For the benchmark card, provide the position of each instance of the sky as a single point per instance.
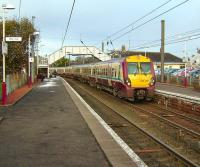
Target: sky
(94, 20)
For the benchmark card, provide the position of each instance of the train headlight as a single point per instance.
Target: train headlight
(152, 82)
(128, 82)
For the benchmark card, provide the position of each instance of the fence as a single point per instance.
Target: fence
(14, 81)
(189, 81)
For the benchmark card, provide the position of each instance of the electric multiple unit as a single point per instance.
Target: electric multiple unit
(130, 77)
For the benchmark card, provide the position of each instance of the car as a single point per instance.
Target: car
(184, 71)
(194, 72)
(172, 70)
(157, 71)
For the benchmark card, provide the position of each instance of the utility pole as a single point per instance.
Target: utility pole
(32, 47)
(102, 46)
(4, 53)
(162, 49)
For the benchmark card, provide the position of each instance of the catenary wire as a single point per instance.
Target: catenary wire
(141, 18)
(63, 40)
(167, 38)
(187, 38)
(149, 13)
(151, 19)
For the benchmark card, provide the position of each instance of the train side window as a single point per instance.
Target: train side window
(113, 72)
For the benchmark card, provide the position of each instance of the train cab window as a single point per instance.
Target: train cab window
(145, 67)
(133, 68)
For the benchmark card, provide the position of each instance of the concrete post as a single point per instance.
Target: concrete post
(162, 50)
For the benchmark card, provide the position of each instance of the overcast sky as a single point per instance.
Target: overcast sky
(95, 20)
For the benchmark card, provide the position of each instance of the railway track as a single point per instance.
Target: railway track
(188, 116)
(140, 130)
(187, 104)
(183, 120)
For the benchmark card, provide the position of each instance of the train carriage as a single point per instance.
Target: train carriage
(131, 77)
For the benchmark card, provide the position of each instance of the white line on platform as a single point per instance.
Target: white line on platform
(121, 143)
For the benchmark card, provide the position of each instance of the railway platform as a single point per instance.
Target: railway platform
(185, 91)
(182, 98)
(51, 127)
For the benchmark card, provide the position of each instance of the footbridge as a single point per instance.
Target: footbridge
(78, 51)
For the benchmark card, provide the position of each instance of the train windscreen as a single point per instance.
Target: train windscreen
(133, 68)
(145, 67)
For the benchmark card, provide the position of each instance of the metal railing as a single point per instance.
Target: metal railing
(180, 80)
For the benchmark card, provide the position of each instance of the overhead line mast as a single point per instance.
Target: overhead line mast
(19, 15)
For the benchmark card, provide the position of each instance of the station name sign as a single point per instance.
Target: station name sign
(13, 39)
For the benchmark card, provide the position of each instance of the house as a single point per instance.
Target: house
(195, 59)
(171, 61)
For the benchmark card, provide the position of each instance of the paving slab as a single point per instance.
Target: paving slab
(45, 129)
(16, 95)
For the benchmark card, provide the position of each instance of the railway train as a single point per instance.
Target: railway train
(130, 77)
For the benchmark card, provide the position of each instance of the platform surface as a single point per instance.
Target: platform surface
(187, 91)
(45, 129)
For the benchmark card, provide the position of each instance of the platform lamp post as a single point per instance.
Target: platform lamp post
(30, 58)
(4, 52)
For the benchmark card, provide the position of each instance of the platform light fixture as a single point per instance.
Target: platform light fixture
(4, 52)
(29, 57)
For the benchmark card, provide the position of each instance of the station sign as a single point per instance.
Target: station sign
(31, 59)
(4, 48)
(13, 39)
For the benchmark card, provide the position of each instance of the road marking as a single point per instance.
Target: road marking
(136, 159)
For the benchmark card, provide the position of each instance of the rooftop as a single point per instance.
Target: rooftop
(154, 56)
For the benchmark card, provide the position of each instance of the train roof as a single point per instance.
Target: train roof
(120, 59)
(154, 56)
(115, 60)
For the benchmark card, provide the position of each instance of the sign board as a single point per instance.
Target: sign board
(13, 39)
(31, 59)
(4, 48)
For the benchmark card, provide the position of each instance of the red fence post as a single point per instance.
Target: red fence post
(4, 94)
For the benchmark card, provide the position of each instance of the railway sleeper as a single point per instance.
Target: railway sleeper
(166, 161)
(195, 145)
(190, 145)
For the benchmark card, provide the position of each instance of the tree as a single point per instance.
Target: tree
(17, 57)
(86, 59)
(61, 62)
